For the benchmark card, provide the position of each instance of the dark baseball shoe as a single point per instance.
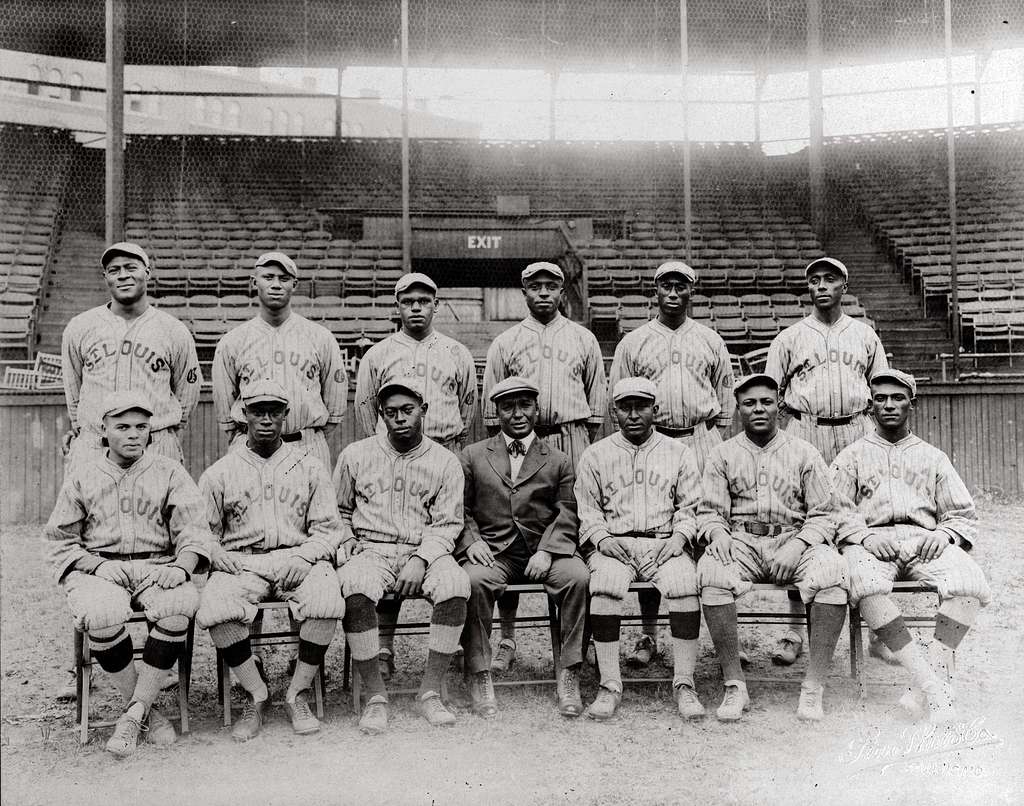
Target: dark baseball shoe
(644, 651)
(481, 689)
(734, 702)
(386, 663)
(249, 724)
(570, 703)
(505, 657)
(125, 738)
(434, 711)
(159, 730)
(605, 705)
(303, 721)
(788, 649)
(810, 709)
(687, 702)
(375, 715)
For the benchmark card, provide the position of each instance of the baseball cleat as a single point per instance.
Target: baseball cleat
(570, 703)
(810, 708)
(788, 649)
(481, 688)
(644, 651)
(386, 663)
(744, 658)
(876, 649)
(375, 715)
(734, 702)
(159, 730)
(125, 738)
(434, 711)
(687, 702)
(303, 721)
(940, 702)
(914, 702)
(605, 704)
(248, 726)
(505, 657)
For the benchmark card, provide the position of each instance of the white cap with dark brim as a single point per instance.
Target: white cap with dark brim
(676, 267)
(408, 386)
(407, 281)
(897, 376)
(120, 402)
(838, 265)
(643, 388)
(264, 390)
(125, 248)
(281, 259)
(542, 266)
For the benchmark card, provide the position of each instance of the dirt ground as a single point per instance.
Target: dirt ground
(865, 751)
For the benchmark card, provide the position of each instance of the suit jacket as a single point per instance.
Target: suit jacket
(539, 504)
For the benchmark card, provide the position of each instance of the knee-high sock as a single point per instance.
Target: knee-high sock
(315, 636)
(508, 607)
(883, 616)
(387, 617)
(360, 624)
(826, 626)
(684, 625)
(722, 624)
(232, 639)
(163, 647)
(955, 617)
(650, 601)
(605, 624)
(446, 622)
(112, 649)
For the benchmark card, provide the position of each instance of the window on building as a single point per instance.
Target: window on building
(76, 89)
(55, 77)
(35, 75)
(134, 101)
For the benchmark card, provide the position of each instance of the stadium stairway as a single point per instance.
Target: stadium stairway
(912, 338)
(74, 285)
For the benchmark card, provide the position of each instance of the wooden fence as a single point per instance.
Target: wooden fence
(980, 426)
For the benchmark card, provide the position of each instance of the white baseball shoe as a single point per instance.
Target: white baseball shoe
(734, 702)
(810, 709)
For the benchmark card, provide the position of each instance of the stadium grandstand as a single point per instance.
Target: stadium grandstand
(465, 139)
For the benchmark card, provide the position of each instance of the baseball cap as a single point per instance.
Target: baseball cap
(675, 267)
(753, 378)
(634, 387)
(543, 265)
(514, 385)
(125, 248)
(120, 402)
(838, 265)
(407, 281)
(897, 376)
(281, 259)
(410, 386)
(264, 390)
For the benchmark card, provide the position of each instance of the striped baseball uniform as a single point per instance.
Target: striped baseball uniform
(631, 490)
(783, 491)
(693, 373)
(300, 355)
(396, 505)
(153, 354)
(145, 514)
(564, 360)
(823, 371)
(905, 490)
(446, 371)
(267, 511)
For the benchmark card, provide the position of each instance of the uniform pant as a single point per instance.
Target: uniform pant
(820, 574)
(953, 572)
(311, 441)
(375, 569)
(566, 582)
(570, 438)
(233, 597)
(163, 442)
(610, 578)
(830, 439)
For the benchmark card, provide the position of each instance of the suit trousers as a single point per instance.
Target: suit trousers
(566, 582)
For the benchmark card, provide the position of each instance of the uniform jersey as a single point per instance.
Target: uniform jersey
(690, 366)
(412, 499)
(880, 483)
(562, 358)
(300, 355)
(151, 506)
(282, 501)
(153, 354)
(823, 370)
(785, 483)
(624, 488)
(443, 366)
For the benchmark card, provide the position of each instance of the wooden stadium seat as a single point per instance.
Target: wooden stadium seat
(762, 328)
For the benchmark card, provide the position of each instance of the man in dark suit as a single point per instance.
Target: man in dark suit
(520, 522)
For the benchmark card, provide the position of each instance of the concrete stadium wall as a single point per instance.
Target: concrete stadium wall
(980, 426)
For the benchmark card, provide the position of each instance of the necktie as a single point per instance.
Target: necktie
(516, 448)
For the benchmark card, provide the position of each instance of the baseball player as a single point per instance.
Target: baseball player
(129, 529)
(446, 371)
(282, 345)
(636, 493)
(124, 345)
(767, 514)
(520, 522)
(906, 514)
(564, 360)
(271, 507)
(400, 496)
(692, 371)
(822, 365)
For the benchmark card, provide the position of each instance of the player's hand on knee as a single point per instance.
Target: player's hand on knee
(410, 581)
(882, 546)
(720, 548)
(616, 548)
(345, 552)
(223, 560)
(784, 561)
(294, 571)
(933, 545)
(538, 566)
(116, 571)
(165, 576)
(668, 549)
(480, 553)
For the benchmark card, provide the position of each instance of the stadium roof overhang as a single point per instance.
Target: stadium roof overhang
(643, 35)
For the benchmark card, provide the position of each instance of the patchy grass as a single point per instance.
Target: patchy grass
(529, 754)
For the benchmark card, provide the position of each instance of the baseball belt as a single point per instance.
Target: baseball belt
(295, 437)
(138, 555)
(251, 550)
(762, 529)
(669, 431)
(554, 428)
(654, 535)
(845, 420)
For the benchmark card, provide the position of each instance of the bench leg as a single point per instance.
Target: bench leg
(357, 686)
(318, 690)
(346, 668)
(225, 688)
(184, 679)
(555, 628)
(83, 670)
(856, 649)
